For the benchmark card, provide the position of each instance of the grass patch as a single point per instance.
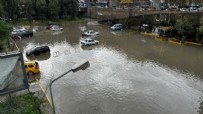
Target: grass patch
(23, 22)
(45, 21)
(20, 105)
(3, 44)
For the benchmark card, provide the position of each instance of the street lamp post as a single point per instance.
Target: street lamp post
(79, 66)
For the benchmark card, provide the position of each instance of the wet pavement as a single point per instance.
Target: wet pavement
(129, 73)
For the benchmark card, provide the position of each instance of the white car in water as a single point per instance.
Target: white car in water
(90, 33)
(88, 41)
(56, 28)
(117, 27)
(193, 9)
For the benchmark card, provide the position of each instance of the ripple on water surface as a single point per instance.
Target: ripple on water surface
(113, 84)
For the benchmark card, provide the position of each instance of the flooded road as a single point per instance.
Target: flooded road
(129, 73)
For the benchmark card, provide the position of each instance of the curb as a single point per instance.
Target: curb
(44, 92)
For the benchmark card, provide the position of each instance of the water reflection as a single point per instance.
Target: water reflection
(116, 33)
(57, 32)
(129, 73)
(116, 85)
(83, 28)
(92, 47)
(34, 77)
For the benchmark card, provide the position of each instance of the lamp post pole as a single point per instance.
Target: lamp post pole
(50, 88)
(79, 66)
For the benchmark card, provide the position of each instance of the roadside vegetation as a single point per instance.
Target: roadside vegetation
(25, 104)
(5, 29)
(22, 22)
(27, 12)
(201, 25)
(15, 10)
(187, 24)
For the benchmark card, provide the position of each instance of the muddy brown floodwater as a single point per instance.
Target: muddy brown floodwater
(129, 73)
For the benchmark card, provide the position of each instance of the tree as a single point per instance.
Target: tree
(11, 9)
(201, 25)
(40, 8)
(53, 8)
(185, 26)
(26, 7)
(70, 6)
(186, 23)
(1, 8)
(200, 29)
(4, 34)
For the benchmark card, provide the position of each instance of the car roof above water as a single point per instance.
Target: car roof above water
(30, 62)
(117, 24)
(40, 46)
(90, 31)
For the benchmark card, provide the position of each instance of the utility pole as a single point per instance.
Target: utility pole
(130, 12)
(88, 7)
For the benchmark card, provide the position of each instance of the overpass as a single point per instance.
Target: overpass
(113, 13)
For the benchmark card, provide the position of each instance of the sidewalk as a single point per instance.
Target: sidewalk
(45, 107)
(39, 92)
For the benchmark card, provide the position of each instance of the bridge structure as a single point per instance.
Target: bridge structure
(113, 13)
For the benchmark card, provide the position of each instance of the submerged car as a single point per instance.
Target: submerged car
(51, 24)
(22, 33)
(193, 9)
(56, 28)
(90, 33)
(88, 41)
(31, 67)
(26, 33)
(37, 50)
(117, 27)
(184, 9)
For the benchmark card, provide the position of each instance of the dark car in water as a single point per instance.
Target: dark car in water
(37, 50)
(22, 33)
(26, 33)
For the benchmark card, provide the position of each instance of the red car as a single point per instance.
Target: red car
(173, 8)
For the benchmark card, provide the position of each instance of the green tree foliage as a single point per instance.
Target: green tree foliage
(14, 9)
(26, 7)
(201, 25)
(53, 8)
(4, 33)
(40, 8)
(69, 7)
(186, 25)
(11, 9)
(1, 8)
(20, 105)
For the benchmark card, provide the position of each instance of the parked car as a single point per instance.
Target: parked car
(31, 67)
(200, 9)
(22, 33)
(37, 50)
(56, 28)
(26, 33)
(90, 33)
(173, 8)
(164, 6)
(18, 30)
(117, 27)
(193, 9)
(88, 41)
(184, 9)
(51, 24)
